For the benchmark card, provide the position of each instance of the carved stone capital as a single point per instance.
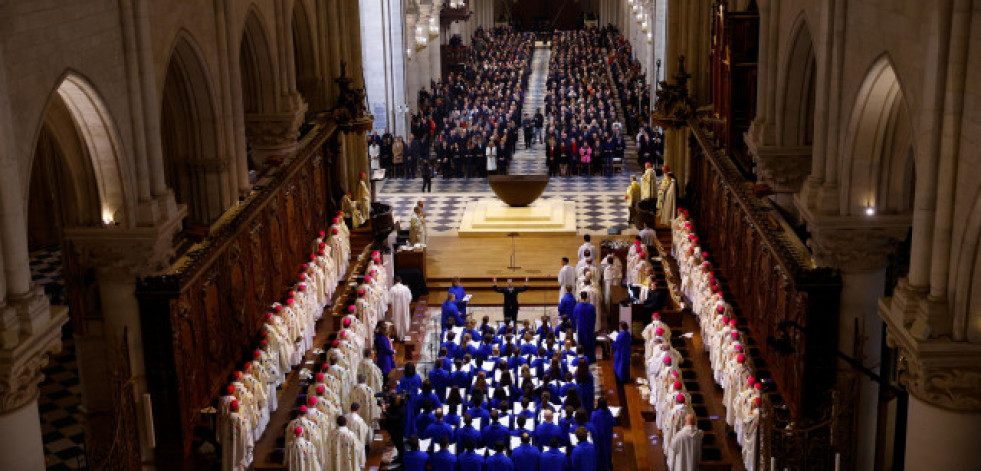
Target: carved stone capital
(939, 371)
(854, 244)
(20, 366)
(126, 253)
(276, 130)
(783, 168)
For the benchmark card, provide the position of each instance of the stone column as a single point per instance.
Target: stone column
(274, 135)
(435, 45)
(118, 256)
(860, 249)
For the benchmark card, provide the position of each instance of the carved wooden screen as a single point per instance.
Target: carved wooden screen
(200, 319)
(770, 275)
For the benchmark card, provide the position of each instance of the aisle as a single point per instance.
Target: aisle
(532, 161)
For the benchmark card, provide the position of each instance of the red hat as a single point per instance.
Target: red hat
(350, 308)
(691, 250)
(335, 343)
(679, 209)
(691, 236)
(705, 254)
(333, 231)
(289, 301)
(738, 348)
(298, 431)
(720, 308)
(303, 409)
(324, 367)
(740, 358)
(735, 334)
(302, 287)
(320, 252)
(312, 400)
(367, 278)
(361, 174)
(715, 288)
(237, 374)
(756, 400)
(335, 220)
(303, 276)
(374, 254)
(656, 315)
(667, 360)
(321, 389)
(263, 342)
(648, 165)
(680, 398)
(247, 366)
(732, 322)
(230, 389)
(320, 377)
(341, 334)
(675, 374)
(665, 167)
(269, 317)
(360, 292)
(257, 353)
(233, 406)
(348, 193)
(643, 255)
(312, 257)
(725, 320)
(347, 322)
(659, 331)
(322, 234)
(751, 380)
(758, 386)
(278, 307)
(322, 245)
(677, 385)
(290, 294)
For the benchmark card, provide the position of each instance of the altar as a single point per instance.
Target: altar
(493, 217)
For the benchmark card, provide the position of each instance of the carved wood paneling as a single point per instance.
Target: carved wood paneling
(770, 275)
(200, 319)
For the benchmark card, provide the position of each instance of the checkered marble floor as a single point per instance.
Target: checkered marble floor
(62, 420)
(46, 272)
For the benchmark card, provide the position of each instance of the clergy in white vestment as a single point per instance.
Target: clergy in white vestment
(346, 452)
(648, 183)
(237, 440)
(301, 455)
(594, 297)
(612, 272)
(370, 371)
(364, 395)
(669, 201)
(567, 277)
(686, 447)
(586, 246)
(417, 227)
(358, 425)
(400, 297)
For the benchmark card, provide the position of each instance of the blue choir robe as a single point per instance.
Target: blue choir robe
(470, 460)
(621, 356)
(385, 354)
(494, 433)
(452, 419)
(410, 385)
(467, 433)
(525, 457)
(602, 420)
(545, 432)
(585, 315)
(499, 462)
(439, 378)
(460, 379)
(567, 304)
(450, 311)
(442, 460)
(459, 293)
(553, 459)
(415, 460)
(432, 398)
(422, 421)
(452, 350)
(587, 392)
(437, 430)
(584, 457)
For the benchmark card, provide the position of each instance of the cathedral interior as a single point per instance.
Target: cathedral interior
(172, 171)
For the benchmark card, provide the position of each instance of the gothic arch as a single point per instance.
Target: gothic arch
(190, 129)
(79, 154)
(305, 54)
(795, 106)
(878, 156)
(258, 68)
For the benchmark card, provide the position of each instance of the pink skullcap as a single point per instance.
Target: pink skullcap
(247, 366)
(303, 276)
(322, 234)
(289, 301)
(679, 209)
(687, 225)
(715, 288)
(234, 405)
(675, 374)
(374, 254)
(312, 400)
(740, 358)
(659, 331)
(302, 287)
(691, 250)
(303, 409)
(257, 353)
(335, 343)
(350, 308)
(758, 386)
(290, 294)
(322, 245)
(667, 360)
(263, 342)
(677, 385)
(735, 334)
(680, 398)
(335, 222)
(298, 431)
(367, 278)
(360, 291)
(333, 231)
(269, 317)
(321, 389)
(320, 377)
(313, 257)
(347, 322)
(751, 381)
(230, 389)
(706, 264)
(720, 308)
(738, 348)
(320, 252)
(732, 322)
(691, 237)
(341, 334)
(725, 320)
(237, 374)
(656, 315)
(278, 307)
(324, 367)
(643, 255)
(756, 400)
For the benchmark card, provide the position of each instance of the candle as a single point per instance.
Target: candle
(773, 463)
(837, 461)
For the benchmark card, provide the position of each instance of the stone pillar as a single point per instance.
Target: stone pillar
(435, 46)
(861, 252)
(940, 438)
(118, 256)
(21, 443)
(783, 169)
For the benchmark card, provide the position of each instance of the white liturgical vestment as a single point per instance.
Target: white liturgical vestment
(401, 298)
(686, 449)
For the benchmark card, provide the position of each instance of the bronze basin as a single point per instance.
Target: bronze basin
(518, 190)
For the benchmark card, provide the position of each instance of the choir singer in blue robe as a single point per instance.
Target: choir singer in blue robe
(451, 311)
(603, 420)
(459, 293)
(621, 354)
(585, 320)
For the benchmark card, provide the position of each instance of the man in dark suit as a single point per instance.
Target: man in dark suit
(510, 293)
(656, 298)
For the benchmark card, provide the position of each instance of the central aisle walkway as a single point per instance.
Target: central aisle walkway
(532, 161)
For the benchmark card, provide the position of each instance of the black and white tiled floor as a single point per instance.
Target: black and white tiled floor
(60, 399)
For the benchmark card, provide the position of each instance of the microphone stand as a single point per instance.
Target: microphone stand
(514, 260)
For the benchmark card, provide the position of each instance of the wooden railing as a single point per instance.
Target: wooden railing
(203, 316)
(791, 306)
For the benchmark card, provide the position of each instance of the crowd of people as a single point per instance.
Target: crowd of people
(243, 410)
(467, 125)
(729, 357)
